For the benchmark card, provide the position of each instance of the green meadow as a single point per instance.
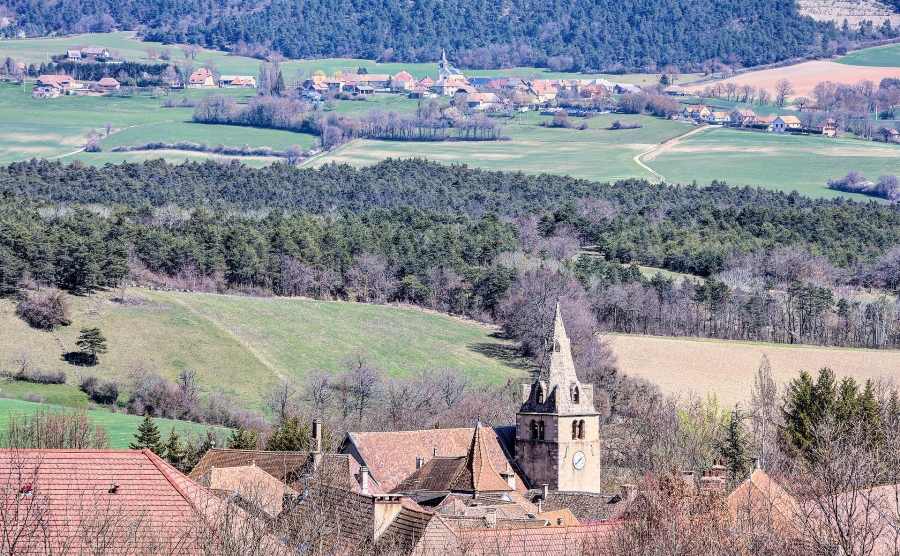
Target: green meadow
(781, 162)
(887, 56)
(240, 346)
(120, 427)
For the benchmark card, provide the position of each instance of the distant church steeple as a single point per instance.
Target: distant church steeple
(443, 66)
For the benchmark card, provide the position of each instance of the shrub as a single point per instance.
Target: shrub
(45, 310)
(106, 393)
(41, 377)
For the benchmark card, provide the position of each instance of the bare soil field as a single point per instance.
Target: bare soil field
(681, 366)
(853, 11)
(804, 77)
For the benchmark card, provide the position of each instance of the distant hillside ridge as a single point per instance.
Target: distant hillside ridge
(562, 35)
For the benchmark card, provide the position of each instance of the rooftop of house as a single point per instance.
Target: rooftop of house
(251, 482)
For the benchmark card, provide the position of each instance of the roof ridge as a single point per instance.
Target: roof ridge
(153, 459)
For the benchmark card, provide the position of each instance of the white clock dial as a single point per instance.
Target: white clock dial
(578, 460)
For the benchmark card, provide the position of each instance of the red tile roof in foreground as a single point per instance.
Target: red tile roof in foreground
(391, 456)
(530, 541)
(68, 501)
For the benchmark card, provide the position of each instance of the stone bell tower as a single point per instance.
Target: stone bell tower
(557, 427)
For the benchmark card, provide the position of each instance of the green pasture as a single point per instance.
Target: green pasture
(781, 162)
(120, 427)
(596, 153)
(241, 345)
(232, 136)
(170, 156)
(39, 50)
(887, 56)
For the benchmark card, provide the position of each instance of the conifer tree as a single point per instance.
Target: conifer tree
(290, 436)
(735, 446)
(148, 437)
(175, 450)
(242, 439)
(278, 88)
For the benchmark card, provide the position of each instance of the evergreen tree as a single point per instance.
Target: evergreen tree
(148, 437)
(243, 439)
(175, 450)
(92, 342)
(278, 88)
(735, 446)
(291, 435)
(870, 415)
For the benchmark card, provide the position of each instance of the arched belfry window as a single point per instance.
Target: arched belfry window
(541, 429)
(574, 393)
(556, 347)
(574, 430)
(540, 394)
(581, 429)
(534, 430)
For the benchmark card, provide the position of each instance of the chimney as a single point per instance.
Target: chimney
(509, 476)
(545, 491)
(317, 434)
(490, 517)
(435, 450)
(364, 479)
(420, 461)
(628, 492)
(385, 508)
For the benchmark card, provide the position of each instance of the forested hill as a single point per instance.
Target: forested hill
(590, 34)
(392, 183)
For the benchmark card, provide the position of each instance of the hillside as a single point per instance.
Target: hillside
(120, 427)
(556, 34)
(242, 345)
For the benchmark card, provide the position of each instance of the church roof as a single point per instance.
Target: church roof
(471, 473)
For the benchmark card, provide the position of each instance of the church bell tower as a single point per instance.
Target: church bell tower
(557, 427)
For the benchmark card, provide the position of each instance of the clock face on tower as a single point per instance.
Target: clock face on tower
(578, 460)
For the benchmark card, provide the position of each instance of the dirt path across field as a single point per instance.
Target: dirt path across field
(665, 144)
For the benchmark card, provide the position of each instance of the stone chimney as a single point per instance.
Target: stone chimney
(628, 493)
(490, 516)
(509, 476)
(711, 481)
(718, 469)
(420, 461)
(545, 492)
(317, 435)
(364, 479)
(385, 508)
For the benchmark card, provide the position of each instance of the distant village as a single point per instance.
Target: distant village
(487, 94)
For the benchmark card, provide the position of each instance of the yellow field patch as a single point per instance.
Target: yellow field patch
(681, 366)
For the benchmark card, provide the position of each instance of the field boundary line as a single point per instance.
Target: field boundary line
(231, 334)
(666, 143)
(114, 132)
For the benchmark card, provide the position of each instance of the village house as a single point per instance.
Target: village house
(200, 79)
(51, 86)
(481, 101)
(718, 118)
(828, 127)
(594, 91)
(73, 54)
(696, 112)
(675, 91)
(108, 84)
(378, 81)
(625, 89)
(99, 54)
(543, 91)
(784, 124)
(237, 82)
(451, 85)
(403, 81)
(743, 118)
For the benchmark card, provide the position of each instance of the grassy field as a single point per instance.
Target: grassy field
(597, 153)
(781, 162)
(879, 56)
(240, 345)
(680, 365)
(39, 50)
(121, 428)
(232, 136)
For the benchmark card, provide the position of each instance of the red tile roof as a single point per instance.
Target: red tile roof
(529, 541)
(73, 495)
(391, 456)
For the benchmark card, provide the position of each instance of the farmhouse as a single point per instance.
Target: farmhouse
(675, 91)
(403, 81)
(108, 84)
(743, 118)
(718, 118)
(237, 82)
(828, 127)
(451, 85)
(51, 86)
(783, 124)
(594, 91)
(696, 112)
(200, 79)
(481, 101)
(73, 54)
(97, 53)
(543, 91)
